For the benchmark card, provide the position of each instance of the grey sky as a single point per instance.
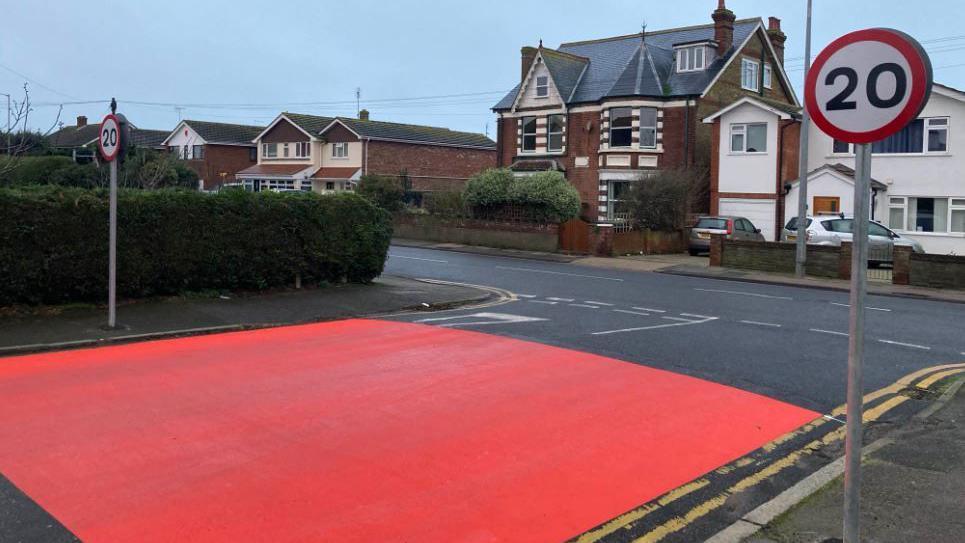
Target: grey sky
(280, 53)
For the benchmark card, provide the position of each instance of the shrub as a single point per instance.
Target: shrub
(53, 242)
(664, 200)
(445, 203)
(384, 191)
(543, 196)
(36, 170)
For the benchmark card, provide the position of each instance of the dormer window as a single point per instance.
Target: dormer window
(542, 86)
(691, 59)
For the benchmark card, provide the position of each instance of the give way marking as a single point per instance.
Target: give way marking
(486, 318)
(693, 319)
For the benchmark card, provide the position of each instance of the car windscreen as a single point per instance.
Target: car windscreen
(712, 224)
(792, 224)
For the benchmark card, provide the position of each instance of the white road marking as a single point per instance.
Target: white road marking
(756, 295)
(542, 302)
(866, 307)
(637, 329)
(912, 345)
(632, 312)
(697, 316)
(583, 305)
(598, 303)
(677, 319)
(829, 417)
(758, 323)
(493, 318)
(560, 299)
(558, 273)
(525, 295)
(422, 259)
(832, 332)
(650, 309)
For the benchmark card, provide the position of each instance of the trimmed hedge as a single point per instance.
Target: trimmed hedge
(53, 242)
(544, 196)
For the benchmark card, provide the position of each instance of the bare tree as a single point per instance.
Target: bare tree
(17, 137)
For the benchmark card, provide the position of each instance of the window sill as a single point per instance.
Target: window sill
(751, 90)
(652, 150)
(932, 234)
(754, 153)
(340, 158)
(893, 155)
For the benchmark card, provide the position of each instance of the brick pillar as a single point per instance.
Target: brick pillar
(901, 274)
(601, 239)
(844, 260)
(716, 249)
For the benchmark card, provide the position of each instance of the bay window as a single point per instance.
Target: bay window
(529, 134)
(621, 127)
(554, 132)
(648, 127)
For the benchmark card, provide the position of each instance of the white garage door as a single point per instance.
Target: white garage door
(759, 212)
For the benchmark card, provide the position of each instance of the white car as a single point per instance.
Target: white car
(831, 230)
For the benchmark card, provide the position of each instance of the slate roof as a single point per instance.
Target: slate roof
(632, 66)
(149, 138)
(225, 133)
(71, 136)
(416, 133)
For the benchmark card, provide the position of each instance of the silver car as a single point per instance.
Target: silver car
(832, 230)
(732, 227)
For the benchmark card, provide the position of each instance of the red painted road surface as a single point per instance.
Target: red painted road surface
(359, 430)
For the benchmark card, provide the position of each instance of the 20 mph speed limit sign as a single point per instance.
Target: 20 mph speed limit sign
(868, 84)
(109, 140)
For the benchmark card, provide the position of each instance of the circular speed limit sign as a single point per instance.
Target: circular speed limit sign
(109, 139)
(868, 84)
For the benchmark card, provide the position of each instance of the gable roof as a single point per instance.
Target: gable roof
(142, 137)
(220, 133)
(782, 110)
(843, 172)
(642, 64)
(72, 136)
(565, 69)
(412, 133)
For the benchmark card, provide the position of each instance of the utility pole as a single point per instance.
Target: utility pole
(801, 255)
(358, 101)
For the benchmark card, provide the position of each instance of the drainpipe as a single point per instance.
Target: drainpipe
(780, 171)
(365, 156)
(687, 133)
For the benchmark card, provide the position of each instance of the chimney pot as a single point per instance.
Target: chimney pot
(777, 37)
(723, 28)
(773, 23)
(81, 121)
(364, 115)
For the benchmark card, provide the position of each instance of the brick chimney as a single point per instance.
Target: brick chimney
(723, 28)
(528, 55)
(364, 115)
(81, 121)
(777, 37)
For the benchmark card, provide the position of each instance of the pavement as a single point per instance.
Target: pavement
(72, 326)
(481, 250)
(911, 487)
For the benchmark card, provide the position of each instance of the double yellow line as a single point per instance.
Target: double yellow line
(925, 377)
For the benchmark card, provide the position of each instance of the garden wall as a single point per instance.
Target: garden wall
(504, 235)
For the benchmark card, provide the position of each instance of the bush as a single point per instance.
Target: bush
(384, 191)
(664, 200)
(53, 242)
(445, 203)
(35, 170)
(543, 196)
(142, 168)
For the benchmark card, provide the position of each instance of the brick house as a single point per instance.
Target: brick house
(215, 151)
(610, 111)
(326, 154)
(81, 139)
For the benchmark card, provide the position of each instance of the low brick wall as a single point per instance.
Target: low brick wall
(502, 235)
(936, 271)
(772, 256)
(649, 242)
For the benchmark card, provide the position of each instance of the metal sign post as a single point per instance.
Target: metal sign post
(864, 87)
(109, 145)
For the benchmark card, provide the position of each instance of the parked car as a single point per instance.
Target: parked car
(732, 227)
(832, 230)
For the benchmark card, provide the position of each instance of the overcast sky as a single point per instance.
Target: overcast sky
(208, 57)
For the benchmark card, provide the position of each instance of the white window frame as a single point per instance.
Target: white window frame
(561, 133)
(542, 86)
(955, 204)
(524, 134)
(691, 59)
(767, 75)
(928, 125)
(750, 67)
(269, 150)
(648, 129)
(284, 150)
(898, 202)
(612, 128)
(741, 129)
(303, 149)
(611, 201)
(340, 150)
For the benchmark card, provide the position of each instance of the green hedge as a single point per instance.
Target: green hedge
(544, 196)
(53, 242)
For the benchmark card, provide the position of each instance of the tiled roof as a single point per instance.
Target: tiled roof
(274, 169)
(633, 66)
(566, 70)
(417, 133)
(148, 138)
(72, 136)
(313, 124)
(225, 133)
(335, 173)
(845, 170)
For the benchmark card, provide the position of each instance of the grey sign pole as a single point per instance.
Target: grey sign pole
(859, 279)
(801, 254)
(112, 253)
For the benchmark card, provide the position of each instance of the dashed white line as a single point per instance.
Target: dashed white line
(650, 309)
(632, 312)
(866, 307)
(758, 323)
(532, 270)
(598, 303)
(561, 299)
(422, 259)
(832, 332)
(542, 302)
(912, 345)
(584, 305)
(742, 293)
(525, 295)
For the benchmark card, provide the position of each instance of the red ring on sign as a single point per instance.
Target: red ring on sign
(920, 82)
(100, 144)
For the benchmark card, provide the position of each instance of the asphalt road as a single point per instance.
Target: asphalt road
(784, 342)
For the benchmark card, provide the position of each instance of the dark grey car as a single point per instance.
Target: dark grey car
(732, 227)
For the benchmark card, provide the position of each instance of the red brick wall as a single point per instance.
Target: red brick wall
(581, 141)
(506, 141)
(430, 167)
(219, 159)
